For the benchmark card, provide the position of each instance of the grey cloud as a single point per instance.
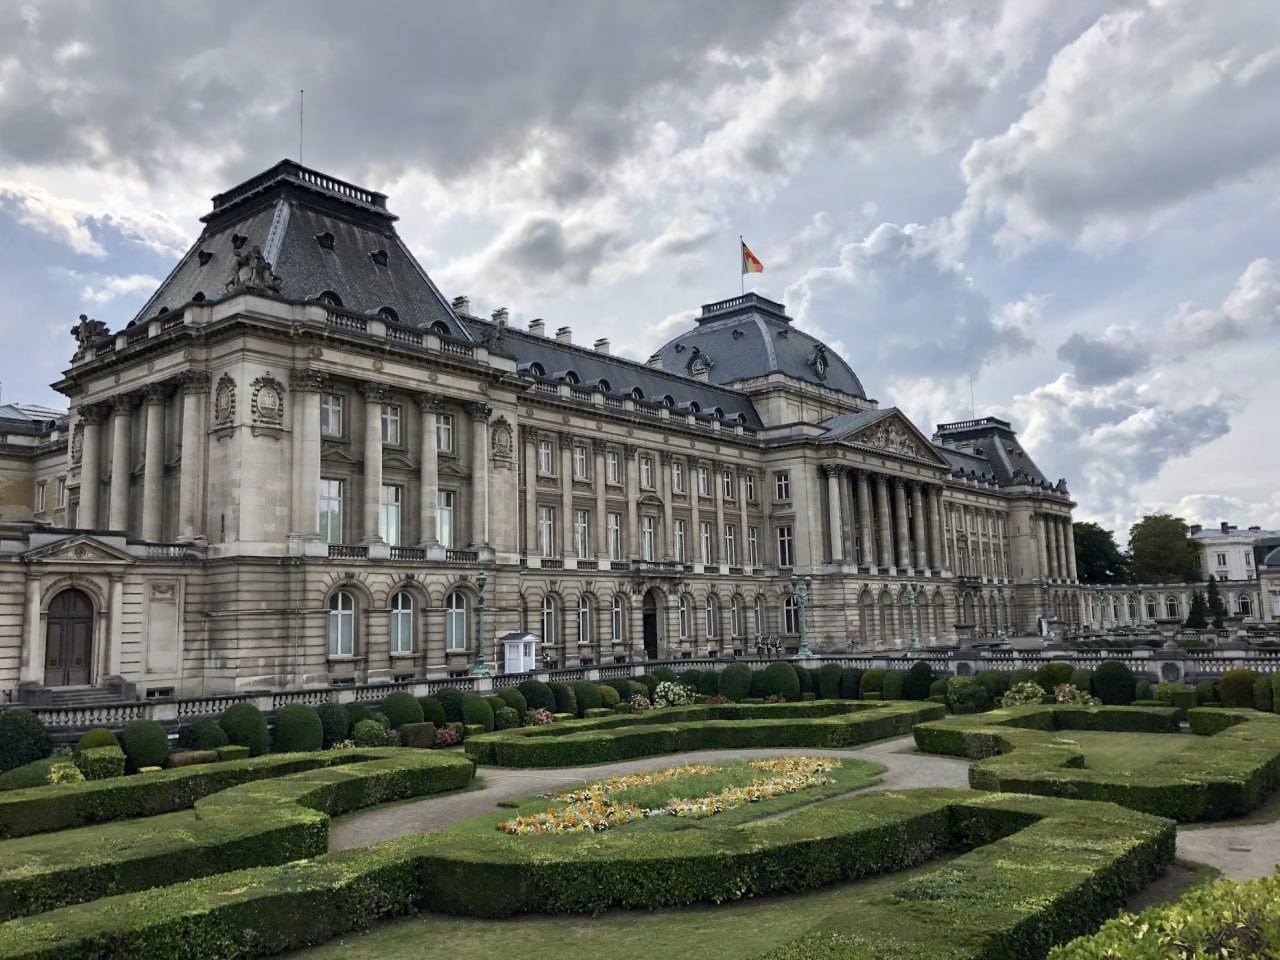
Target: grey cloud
(541, 247)
(1098, 360)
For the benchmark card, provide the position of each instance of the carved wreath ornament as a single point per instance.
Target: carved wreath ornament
(224, 400)
(268, 400)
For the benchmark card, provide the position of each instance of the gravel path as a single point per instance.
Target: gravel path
(1242, 853)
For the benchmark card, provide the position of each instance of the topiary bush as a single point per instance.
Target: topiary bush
(369, 733)
(34, 774)
(565, 701)
(1164, 691)
(538, 695)
(967, 695)
(202, 735)
(622, 686)
(1275, 692)
(780, 680)
(1021, 675)
(1142, 690)
(938, 688)
(356, 712)
(829, 681)
(734, 682)
(22, 739)
(298, 729)
(997, 682)
(872, 682)
(1236, 688)
(506, 718)
(334, 722)
(650, 683)
(245, 726)
(608, 696)
(850, 683)
(514, 699)
(1262, 694)
(690, 678)
(587, 696)
(476, 711)
(918, 680)
(145, 743)
(401, 708)
(1050, 675)
(1206, 692)
(807, 680)
(101, 737)
(665, 675)
(451, 699)
(757, 685)
(432, 711)
(1114, 684)
(894, 681)
(1082, 679)
(708, 684)
(101, 763)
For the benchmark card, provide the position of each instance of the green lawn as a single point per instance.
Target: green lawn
(1127, 752)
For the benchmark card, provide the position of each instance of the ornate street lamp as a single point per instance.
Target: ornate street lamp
(909, 594)
(1044, 611)
(1001, 614)
(800, 588)
(481, 669)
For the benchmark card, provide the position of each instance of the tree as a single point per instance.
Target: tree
(1198, 615)
(1217, 608)
(1161, 551)
(1098, 559)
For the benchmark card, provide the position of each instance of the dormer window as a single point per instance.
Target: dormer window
(204, 256)
(238, 240)
(199, 297)
(603, 385)
(440, 328)
(668, 401)
(388, 313)
(325, 240)
(717, 413)
(379, 257)
(330, 298)
(569, 377)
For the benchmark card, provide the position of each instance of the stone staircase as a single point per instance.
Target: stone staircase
(68, 698)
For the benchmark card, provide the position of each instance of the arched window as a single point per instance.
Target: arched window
(637, 393)
(735, 615)
(790, 614)
(717, 413)
(1244, 605)
(684, 617)
(331, 298)
(668, 401)
(1115, 609)
(401, 622)
(342, 625)
(570, 377)
(711, 617)
(694, 406)
(1151, 608)
(758, 616)
(537, 369)
(441, 329)
(389, 313)
(618, 618)
(586, 633)
(603, 384)
(456, 622)
(550, 621)
(1171, 608)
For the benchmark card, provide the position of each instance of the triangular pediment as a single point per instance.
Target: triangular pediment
(82, 549)
(335, 453)
(398, 462)
(451, 470)
(891, 433)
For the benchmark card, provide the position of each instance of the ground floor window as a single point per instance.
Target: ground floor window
(342, 625)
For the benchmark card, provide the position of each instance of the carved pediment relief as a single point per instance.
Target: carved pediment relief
(335, 452)
(895, 435)
(451, 470)
(81, 550)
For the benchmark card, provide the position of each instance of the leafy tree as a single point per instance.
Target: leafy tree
(1198, 615)
(1098, 559)
(1161, 551)
(1217, 607)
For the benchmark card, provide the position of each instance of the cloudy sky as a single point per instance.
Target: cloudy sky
(1073, 205)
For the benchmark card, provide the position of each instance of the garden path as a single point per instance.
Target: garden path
(1242, 853)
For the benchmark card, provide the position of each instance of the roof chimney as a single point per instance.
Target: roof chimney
(500, 316)
(1226, 527)
(602, 346)
(462, 305)
(654, 361)
(564, 335)
(538, 327)
(1195, 528)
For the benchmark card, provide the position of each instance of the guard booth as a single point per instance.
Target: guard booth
(519, 652)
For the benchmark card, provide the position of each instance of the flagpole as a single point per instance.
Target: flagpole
(742, 274)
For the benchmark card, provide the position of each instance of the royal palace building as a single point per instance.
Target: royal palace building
(301, 463)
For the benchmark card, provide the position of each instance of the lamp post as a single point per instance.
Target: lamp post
(481, 669)
(1047, 630)
(909, 594)
(1001, 614)
(800, 588)
(1100, 596)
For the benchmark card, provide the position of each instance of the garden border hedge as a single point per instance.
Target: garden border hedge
(817, 723)
(1017, 751)
(253, 824)
(1102, 853)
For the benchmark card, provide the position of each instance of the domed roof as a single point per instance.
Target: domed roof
(751, 336)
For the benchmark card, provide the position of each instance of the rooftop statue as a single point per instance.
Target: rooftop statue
(253, 272)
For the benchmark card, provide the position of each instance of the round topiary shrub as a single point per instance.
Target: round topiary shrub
(514, 699)
(850, 683)
(22, 739)
(665, 675)
(938, 688)
(145, 744)
(807, 681)
(757, 685)
(636, 689)
(432, 711)
(997, 683)
(401, 708)
(622, 686)
(1164, 691)
(1206, 692)
(1115, 685)
(102, 737)
(608, 696)
(708, 684)
(1050, 675)
(1021, 675)
(919, 677)
(690, 678)
(587, 696)
(1262, 694)
(538, 695)
(298, 729)
(202, 735)
(780, 680)
(649, 682)
(496, 702)
(451, 699)
(894, 681)
(829, 681)
(872, 682)
(565, 701)
(1236, 688)
(356, 712)
(967, 695)
(477, 710)
(245, 726)
(505, 719)
(1082, 680)
(1142, 690)
(334, 722)
(734, 682)
(369, 733)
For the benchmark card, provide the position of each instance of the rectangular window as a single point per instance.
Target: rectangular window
(646, 473)
(331, 510)
(704, 482)
(751, 488)
(581, 461)
(444, 432)
(391, 423)
(731, 545)
(726, 481)
(753, 546)
(786, 548)
(612, 466)
(41, 497)
(444, 518)
(1222, 559)
(331, 414)
(677, 476)
(547, 531)
(648, 538)
(62, 491)
(546, 458)
(704, 542)
(677, 540)
(782, 485)
(614, 531)
(582, 533)
(389, 514)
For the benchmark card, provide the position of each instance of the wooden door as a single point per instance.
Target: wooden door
(69, 640)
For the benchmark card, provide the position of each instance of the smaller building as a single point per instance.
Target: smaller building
(1227, 553)
(33, 464)
(1269, 585)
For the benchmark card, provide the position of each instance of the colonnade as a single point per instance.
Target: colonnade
(1057, 547)
(893, 525)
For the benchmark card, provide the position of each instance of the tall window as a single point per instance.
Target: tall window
(585, 633)
(342, 625)
(751, 488)
(1222, 559)
(550, 621)
(704, 482)
(790, 614)
(455, 621)
(331, 414)
(62, 491)
(757, 616)
(41, 497)
(735, 615)
(444, 518)
(782, 485)
(612, 466)
(648, 538)
(614, 531)
(582, 533)
(646, 473)
(726, 484)
(391, 423)
(753, 546)
(1171, 607)
(710, 616)
(581, 461)
(1151, 608)
(444, 432)
(618, 618)
(401, 623)
(677, 476)
(704, 542)
(546, 458)
(1244, 605)
(677, 540)
(331, 510)
(731, 545)
(547, 531)
(389, 514)
(786, 547)
(684, 616)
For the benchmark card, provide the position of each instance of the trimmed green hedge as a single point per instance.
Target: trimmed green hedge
(22, 738)
(253, 824)
(1235, 773)
(986, 895)
(101, 763)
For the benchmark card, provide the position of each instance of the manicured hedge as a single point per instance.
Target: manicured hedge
(22, 738)
(734, 682)
(253, 824)
(204, 735)
(298, 729)
(101, 763)
(334, 723)
(401, 708)
(476, 711)
(432, 711)
(245, 726)
(451, 699)
(514, 699)
(145, 743)
(987, 896)
(587, 696)
(1236, 688)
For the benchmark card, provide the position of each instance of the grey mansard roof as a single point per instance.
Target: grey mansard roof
(751, 336)
(988, 448)
(320, 235)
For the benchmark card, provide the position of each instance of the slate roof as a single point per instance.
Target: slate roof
(846, 423)
(286, 211)
(988, 447)
(30, 419)
(1272, 558)
(751, 336)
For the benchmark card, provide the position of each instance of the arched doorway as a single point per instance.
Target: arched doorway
(68, 650)
(652, 604)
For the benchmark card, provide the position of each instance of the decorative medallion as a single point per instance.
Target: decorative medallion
(818, 362)
(268, 400)
(501, 440)
(224, 401)
(699, 362)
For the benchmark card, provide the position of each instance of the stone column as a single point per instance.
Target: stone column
(885, 518)
(91, 467)
(901, 533)
(153, 464)
(743, 558)
(1058, 559)
(568, 547)
(1068, 533)
(834, 521)
(375, 395)
(34, 641)
(864, 520)
(430, 407)
(480, 414)
(937, 541)
(1042, 534)
(121, 417)
(602, 504)
(918, 527)
(531, 493)
(630, 452)
(717, 478)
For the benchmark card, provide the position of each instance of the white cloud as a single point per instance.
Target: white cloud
(102, 289)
